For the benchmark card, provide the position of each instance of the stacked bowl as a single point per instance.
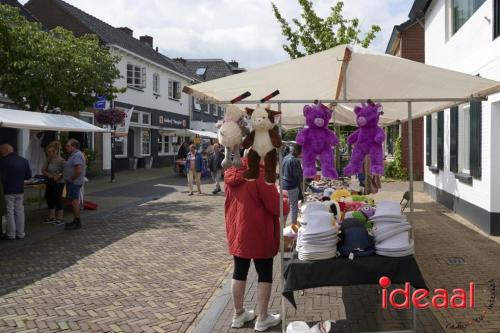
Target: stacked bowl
(391, 231)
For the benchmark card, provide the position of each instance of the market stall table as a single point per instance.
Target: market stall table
(341, 271)
(41, 191)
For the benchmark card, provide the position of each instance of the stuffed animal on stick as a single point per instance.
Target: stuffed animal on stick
(262, 141)
(317, 140)
(230, 134)
(368, 139)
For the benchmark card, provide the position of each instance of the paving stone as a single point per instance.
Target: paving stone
(151, 268)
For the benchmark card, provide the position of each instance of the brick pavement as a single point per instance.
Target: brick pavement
(147, 269)
(440, 234)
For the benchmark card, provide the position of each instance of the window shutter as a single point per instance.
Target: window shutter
(428, 140)
(475, 139)
(170, 89)
(143, 73)
(158, 83)
(454, 139)
(440, 140)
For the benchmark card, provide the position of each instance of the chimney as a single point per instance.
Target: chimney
(148, 40)
(234, 63)
(127, 30)
(181, 61)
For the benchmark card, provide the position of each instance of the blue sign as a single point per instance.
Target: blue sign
(101, 103)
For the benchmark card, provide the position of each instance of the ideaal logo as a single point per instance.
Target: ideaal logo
(460, 299)
(441, 299)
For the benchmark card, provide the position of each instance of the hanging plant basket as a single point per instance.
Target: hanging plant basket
(110, 117)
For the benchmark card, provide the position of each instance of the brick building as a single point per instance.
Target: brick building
(408, 41)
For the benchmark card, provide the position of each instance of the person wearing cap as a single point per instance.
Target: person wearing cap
(252, 211)
(292, 179)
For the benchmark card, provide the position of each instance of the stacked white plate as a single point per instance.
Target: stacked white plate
(317, 237)
(391, 231)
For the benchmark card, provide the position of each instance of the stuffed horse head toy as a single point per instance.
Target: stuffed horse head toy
(263, 141)
(368, 140)
(317, 140)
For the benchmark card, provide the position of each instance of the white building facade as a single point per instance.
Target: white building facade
(463, 143)
(161, 110)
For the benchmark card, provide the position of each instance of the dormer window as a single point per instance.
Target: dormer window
(200, 71)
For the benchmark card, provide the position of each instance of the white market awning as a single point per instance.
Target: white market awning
(204, 134)
(44, 121)
(368, 75)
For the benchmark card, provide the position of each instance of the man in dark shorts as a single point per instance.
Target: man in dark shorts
(74, 176)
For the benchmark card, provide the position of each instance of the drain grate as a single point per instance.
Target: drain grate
(455, 261)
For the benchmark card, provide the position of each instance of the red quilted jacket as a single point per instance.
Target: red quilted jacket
(252, 215)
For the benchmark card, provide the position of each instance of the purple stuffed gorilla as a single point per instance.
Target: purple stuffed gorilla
(368, 139)
(317, 140)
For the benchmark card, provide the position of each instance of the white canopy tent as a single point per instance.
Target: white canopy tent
(381, 77)
(203, 134)
(44, 121)
(345, 76)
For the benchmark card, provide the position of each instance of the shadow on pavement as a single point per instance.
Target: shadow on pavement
(28, 262)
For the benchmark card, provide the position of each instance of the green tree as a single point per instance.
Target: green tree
(45, 69)
(313, 34)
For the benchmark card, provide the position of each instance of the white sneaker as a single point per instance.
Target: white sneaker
(271, 321)
(240, 320)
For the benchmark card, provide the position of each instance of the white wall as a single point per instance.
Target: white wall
(146, 97)
(470, 50)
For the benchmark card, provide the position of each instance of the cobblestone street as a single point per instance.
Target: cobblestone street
(147, 269)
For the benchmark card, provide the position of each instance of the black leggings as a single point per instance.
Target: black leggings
(53, 194)
(264, 268)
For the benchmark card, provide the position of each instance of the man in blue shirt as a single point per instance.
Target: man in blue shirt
(292, 179)
(14, 170)
(74, 176)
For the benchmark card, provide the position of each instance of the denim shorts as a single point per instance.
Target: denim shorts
(73, 191)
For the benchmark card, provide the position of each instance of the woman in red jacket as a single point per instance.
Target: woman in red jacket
(253, 232)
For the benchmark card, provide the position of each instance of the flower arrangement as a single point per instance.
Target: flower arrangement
(111, 117)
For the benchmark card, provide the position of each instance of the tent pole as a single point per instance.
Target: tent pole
(410, 161)
(282, 226)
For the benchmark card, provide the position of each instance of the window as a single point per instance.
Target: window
(136, 76)
(462, 10)
(201, 71)
(121, 147)
(163, 144)
(206, 108)
(213, 109)
(135, 117)
(496, 18)
(464, 139)
(141, 118)
(156, 83)
(174, 89)
(220, 111)
(196, 104)
(145, 141)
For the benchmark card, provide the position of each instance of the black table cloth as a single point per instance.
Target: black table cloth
(341, 271)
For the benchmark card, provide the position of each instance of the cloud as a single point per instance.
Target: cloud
(244, 30)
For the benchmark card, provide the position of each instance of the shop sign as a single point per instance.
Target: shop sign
(171, 122)
(100, 104)
(122, 129)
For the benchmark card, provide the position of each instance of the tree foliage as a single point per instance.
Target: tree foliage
(42, 70)
(313, 34)
(396, 169)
